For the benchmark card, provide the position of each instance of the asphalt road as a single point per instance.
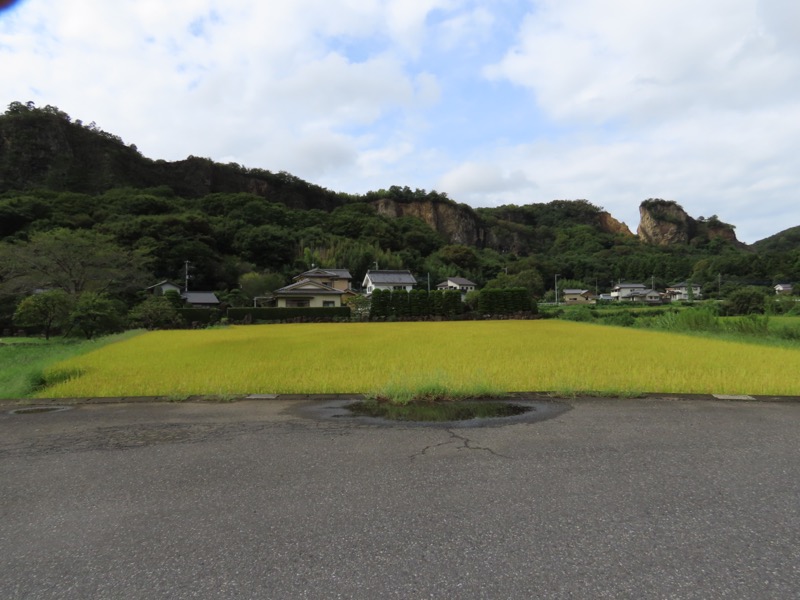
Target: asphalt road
(612, 499)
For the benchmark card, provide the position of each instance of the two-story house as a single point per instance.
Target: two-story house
(388, 280)
(680, 292)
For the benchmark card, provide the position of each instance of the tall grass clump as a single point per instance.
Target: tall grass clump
(435, 387)
(688, 320)
(748, 325)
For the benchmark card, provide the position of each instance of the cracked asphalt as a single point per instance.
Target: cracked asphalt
(615, 499)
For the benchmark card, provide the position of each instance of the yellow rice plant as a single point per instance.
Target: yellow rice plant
(365, 357)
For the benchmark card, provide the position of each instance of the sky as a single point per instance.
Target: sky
(490, 101)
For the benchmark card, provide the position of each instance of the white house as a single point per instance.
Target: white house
(646, 296)
(192, 299)
(459, 284)
(622, 291)
(308, 293)
(388, 280)
(163, 286)
(680, 292)
(783, 288)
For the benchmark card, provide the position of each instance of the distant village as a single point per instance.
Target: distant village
(329, 288)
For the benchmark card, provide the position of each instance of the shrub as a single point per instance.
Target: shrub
(745, 301)
(580, 314)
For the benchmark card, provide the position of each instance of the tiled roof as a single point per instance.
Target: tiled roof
(200, 297)
(307, 287)
(317, 272)
(460, 281)
(391, 277)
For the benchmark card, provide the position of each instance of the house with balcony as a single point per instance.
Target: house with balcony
(622, 291)
(680, 292)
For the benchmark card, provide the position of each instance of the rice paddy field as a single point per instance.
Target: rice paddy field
(543, 355)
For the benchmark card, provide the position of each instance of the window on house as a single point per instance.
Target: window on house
(328, 303)
(297, 304)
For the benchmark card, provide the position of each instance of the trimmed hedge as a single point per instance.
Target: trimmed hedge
(415, 304)
(203, 316)
(288, 314)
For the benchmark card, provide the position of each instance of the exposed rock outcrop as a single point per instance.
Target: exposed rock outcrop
(457, 223)
(609, 224)
(665, 223)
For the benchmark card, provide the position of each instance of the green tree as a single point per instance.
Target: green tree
(260, 284)
(174, 298)
(73, 261)
(745, 301)
(359, 307)
(156, 312)
(95, 314)
(47, 310)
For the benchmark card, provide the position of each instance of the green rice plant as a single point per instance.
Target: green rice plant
(427, 357)
(437, 387)
(24, 361)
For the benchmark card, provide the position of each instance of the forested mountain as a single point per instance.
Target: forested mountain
(228, 221)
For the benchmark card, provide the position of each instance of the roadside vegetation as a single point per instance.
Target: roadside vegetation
(498, 356)
(704, 319)
(23, 361)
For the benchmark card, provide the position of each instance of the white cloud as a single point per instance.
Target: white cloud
(612, 102)
(647, 61)
(484, 183)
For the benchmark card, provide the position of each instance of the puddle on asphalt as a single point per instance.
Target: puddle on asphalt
(477, 413)
(32, 410)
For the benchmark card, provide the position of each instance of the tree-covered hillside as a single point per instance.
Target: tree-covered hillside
(233, 223)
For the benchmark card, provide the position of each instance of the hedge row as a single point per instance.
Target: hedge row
(287, 314)
(505, 301)
(415, 304)
(201, 316)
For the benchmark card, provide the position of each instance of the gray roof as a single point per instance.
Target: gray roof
(391, 277)
(683, 284)
(460, 281)
(160, 283)
(574, 291)
(200, 297)
(630, 285)
(297, 289)
(317, 272)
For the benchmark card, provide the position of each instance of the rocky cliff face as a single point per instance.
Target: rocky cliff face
(457, 223)
(609, 224)
(665, 223)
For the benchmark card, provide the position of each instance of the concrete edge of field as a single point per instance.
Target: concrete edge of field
(539, 396)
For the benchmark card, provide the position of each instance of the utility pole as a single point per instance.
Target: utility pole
(429, 283)
(186, 276)
(556, 290)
